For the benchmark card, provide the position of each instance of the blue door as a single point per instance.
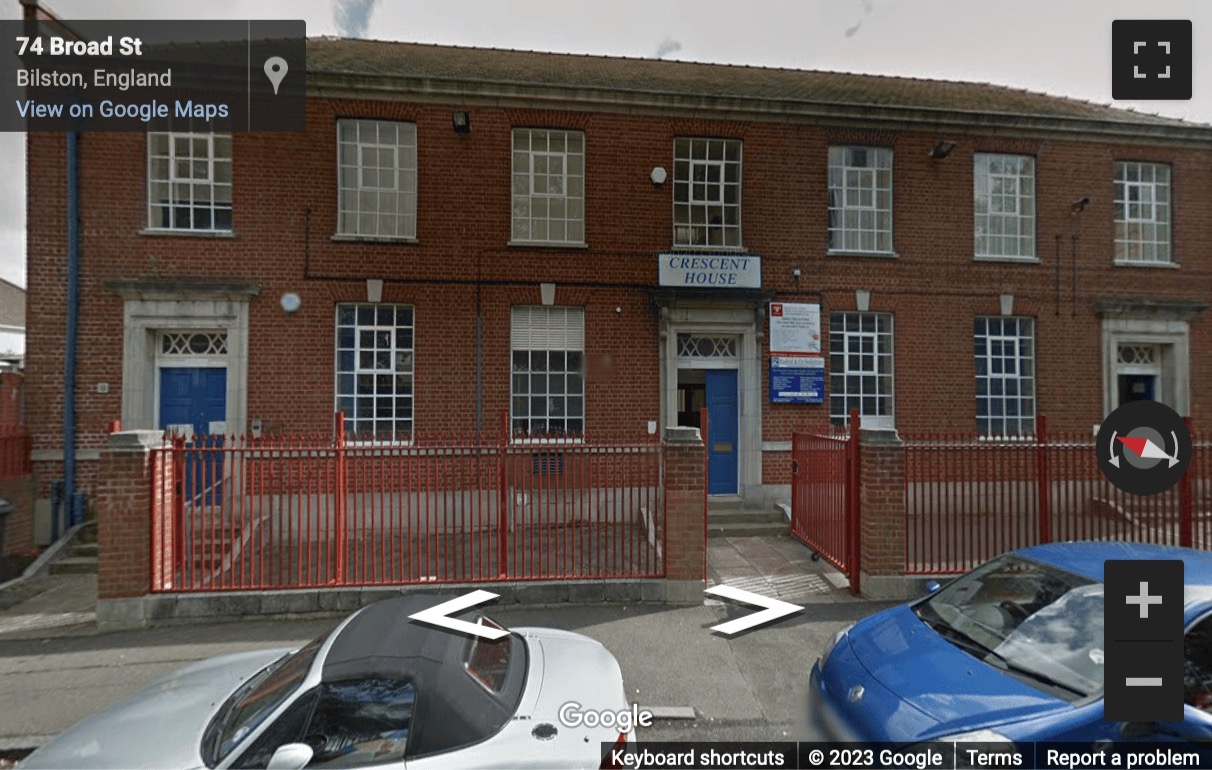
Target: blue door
(722, 424)
(197, 397)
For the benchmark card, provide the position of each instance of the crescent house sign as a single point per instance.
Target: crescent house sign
(711, 271)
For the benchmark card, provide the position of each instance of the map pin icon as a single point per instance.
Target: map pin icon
(275, 70)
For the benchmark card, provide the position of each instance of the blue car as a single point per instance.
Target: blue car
(1011, 651)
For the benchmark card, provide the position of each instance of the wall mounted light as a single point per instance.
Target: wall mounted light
(374, 289)
(1079, 205)
(862, 300)
(942, 149)
(461, 122)
(658, 176)
(1007, 304)
(547, 292)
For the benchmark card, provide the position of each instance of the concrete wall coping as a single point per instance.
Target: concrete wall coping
(135, 440)
(880, 436)
(683, 435)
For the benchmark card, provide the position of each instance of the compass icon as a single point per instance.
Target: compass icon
(1144, 447)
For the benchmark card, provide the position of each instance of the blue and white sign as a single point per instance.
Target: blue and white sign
(797, 379)
(711, 271)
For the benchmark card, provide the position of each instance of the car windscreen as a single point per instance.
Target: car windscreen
(255, 700)
(1036, 622)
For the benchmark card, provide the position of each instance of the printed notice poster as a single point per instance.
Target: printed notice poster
(797, 379)
(795, 328)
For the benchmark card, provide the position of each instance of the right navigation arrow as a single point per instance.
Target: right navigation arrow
(772, 609)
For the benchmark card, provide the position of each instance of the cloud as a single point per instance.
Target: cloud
(667, 46)
(353, 16)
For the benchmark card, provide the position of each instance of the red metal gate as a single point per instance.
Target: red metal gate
(824, 497)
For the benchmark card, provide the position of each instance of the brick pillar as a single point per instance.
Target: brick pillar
(125, 492)
(19, 525)
(882, 515)
(685, 516)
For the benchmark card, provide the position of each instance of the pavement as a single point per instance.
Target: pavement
(57, 668)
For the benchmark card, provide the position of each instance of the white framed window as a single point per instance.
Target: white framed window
(189, 182)
(547, 381)
(548, 186)
(1142, 213)
(860, 368)
(375, 371)
(707, 192)
(377, 178)
(860, 199)
(1005, 376)
(1004, 201)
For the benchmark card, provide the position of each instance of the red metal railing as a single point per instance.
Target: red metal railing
(969, 499)
(310, 511)
(824, 496)
(14, 451)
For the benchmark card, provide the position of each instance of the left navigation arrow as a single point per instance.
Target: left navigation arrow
(772, 609)
(438, 615)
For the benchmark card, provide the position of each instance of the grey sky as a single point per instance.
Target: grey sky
(1058, 46)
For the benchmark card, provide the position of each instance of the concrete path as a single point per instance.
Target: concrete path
(56, 668)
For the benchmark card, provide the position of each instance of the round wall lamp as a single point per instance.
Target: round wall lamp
(658, 176)
(291, 302)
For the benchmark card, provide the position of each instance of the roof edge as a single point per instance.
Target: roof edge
(500, 93)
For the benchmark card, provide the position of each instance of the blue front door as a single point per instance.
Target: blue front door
(193, 400)
(722, 422)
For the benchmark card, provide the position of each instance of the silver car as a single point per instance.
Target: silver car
(381, 690)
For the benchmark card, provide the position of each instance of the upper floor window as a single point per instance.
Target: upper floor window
(1142, 213)
(707, 192)
(377, 189)
(548, 186)
(1004, 201)
(189, 182)
(860, 199)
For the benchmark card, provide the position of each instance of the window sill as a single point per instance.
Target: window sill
(1011, 260)
(700, 249)
(156, 232)
(547, 244)
(876, 254)
(350, 238)
(1163, 265)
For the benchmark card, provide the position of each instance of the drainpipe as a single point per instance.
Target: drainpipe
(70, 498)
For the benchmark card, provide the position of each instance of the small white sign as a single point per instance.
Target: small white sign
(795, 328)
(711, 271)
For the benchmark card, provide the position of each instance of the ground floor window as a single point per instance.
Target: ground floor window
(547, 384)
(860, 367)
(1005, 376)
(375, 370)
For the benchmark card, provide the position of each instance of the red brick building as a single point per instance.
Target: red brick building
(593, 245)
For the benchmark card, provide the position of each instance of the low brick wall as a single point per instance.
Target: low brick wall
(134, 482)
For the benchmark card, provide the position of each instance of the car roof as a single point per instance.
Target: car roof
(1086, 558)
(453, 708)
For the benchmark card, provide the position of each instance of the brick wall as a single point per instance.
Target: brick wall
(285, 214)
(19, 527)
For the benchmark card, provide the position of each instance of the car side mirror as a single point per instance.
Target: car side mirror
(933, 586)
(291, 756)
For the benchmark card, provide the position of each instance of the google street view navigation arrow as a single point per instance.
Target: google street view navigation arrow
(438, 616)
(773, 609)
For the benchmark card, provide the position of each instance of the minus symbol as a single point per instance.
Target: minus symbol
(1143, 681)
